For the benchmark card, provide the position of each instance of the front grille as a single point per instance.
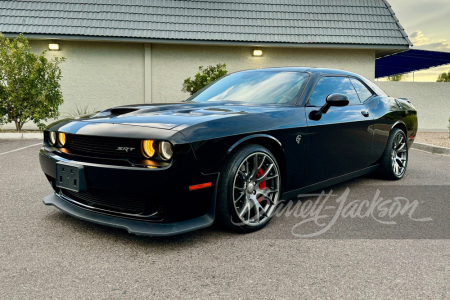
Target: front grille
(112, 200)
(104, 146)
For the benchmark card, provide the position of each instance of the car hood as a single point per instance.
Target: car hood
(172, 115)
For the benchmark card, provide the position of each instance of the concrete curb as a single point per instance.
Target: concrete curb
(431, 148)
(15, 136)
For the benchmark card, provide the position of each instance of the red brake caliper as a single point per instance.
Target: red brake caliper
(262, 185)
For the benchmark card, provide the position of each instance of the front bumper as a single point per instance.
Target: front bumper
(182, 210)
(133, 226)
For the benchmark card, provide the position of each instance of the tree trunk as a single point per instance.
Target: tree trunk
(18, 127)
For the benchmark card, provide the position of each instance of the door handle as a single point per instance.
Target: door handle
(365, 113)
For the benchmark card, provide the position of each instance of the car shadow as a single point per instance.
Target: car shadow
(73, 225)
(279, 228)
(189, 239)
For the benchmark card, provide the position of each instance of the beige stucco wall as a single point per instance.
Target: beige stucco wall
(97, 75)
(171, 64)
(102, 74)
(431, 99)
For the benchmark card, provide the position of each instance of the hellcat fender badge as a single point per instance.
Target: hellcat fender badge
(298, 139)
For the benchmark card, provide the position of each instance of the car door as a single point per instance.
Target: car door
(339, 142)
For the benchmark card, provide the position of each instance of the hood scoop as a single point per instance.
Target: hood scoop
(218, 109)
(122, 110)
(203, 112)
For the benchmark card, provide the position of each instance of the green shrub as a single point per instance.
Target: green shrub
(203, 78)
(398, 77)
(79, 111)
(444, 77)
(29, 84)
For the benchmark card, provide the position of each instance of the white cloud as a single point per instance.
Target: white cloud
(420, 41)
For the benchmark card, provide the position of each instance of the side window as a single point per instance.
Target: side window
(374, 87)
(333, 85)
(361, 89)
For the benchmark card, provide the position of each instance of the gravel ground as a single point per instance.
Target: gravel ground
(440, 139)
(46, 254)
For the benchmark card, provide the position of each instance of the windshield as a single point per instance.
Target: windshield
(254, 86)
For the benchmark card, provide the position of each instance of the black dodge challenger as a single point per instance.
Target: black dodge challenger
(230, 153)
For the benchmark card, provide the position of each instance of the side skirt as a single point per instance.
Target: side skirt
(326, 183)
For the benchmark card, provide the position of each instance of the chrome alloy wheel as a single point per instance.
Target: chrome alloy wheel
(399, 155)
(256, 189)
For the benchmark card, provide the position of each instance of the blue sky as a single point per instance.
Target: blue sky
(427, 23)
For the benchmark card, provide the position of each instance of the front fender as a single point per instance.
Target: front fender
(213, 141)
(254, 136)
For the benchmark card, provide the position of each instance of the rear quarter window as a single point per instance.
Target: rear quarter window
(363, 92)
(374, 87)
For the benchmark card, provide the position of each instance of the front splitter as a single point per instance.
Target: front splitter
(134, 226)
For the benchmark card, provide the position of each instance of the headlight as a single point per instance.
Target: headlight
(52, 138)
(62, 138)
(165, 149)
(148, 148)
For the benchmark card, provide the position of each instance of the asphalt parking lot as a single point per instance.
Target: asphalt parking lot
(46, 254)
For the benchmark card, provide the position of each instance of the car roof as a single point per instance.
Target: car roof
(305, 69)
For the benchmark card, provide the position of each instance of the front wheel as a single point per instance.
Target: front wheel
(249, 189)
(395, 157)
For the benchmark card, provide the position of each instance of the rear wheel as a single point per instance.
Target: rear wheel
(249, 189)
(395, 157)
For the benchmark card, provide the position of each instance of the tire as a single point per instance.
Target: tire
(394, 160)
(248, 192)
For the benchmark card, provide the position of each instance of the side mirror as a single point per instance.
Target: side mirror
(332, 100)
(337, 100)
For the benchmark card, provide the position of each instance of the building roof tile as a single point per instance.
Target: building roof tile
(260, 21)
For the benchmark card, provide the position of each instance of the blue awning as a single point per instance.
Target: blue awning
(410, 61)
